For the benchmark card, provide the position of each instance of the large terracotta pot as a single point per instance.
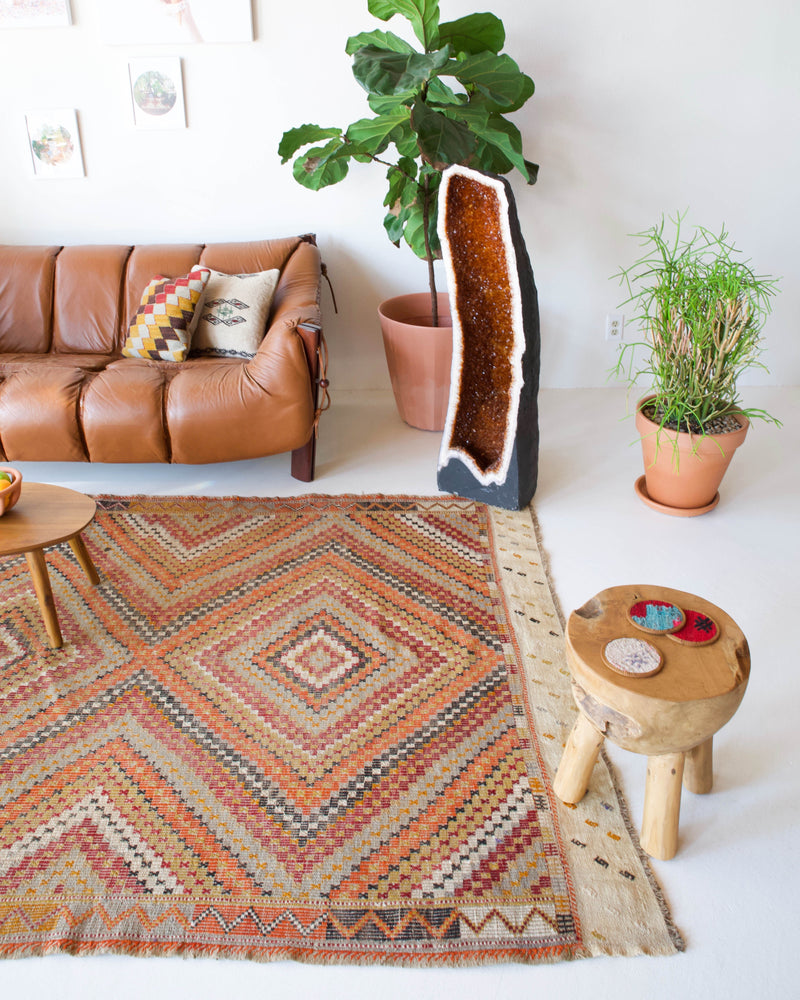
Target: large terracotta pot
(419, 356)
(687, 482)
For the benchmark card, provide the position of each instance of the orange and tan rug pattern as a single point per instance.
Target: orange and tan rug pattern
(320, 728)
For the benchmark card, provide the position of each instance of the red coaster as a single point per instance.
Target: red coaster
(699, 630)
(656, 617)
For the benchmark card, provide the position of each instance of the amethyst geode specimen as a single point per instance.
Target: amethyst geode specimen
(490, 446)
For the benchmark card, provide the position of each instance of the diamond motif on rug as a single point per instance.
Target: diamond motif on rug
(321, 657)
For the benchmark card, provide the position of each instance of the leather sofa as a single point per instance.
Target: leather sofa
(68, 394)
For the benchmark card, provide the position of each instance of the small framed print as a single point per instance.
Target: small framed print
(35, 14)
(157, 93)
(55, 143)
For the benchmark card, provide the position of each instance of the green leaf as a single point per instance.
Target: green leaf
(322, 166)
(393, 73)
(441, 140)
(498, 78)
(474, 33)
(414, 231)
(380, 39)
(406, 142)
(501, 136)
(533, 171)
(372, 135)
(402, 185)
(490, 159)
(440, 93)
(384, 104)
(393, 224)
(408, 165)
(423, 15)
(301, 136)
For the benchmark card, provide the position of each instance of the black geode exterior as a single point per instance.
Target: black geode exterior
(519, 485)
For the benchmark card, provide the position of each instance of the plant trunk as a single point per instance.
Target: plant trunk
(426, 210)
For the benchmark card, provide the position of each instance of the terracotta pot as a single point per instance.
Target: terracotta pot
(419, 356)
(687, 481)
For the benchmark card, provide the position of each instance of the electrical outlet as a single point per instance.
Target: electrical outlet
(615, 327)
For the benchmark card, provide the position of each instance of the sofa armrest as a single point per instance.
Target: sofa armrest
(295, 308)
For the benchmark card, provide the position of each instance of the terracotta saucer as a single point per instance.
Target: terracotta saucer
(662, 508)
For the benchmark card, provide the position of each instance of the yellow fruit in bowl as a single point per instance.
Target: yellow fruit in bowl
(10, 488)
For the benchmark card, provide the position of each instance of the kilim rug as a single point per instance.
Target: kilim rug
(321, 728)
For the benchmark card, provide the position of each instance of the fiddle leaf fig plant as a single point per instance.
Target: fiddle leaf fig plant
(432, 106)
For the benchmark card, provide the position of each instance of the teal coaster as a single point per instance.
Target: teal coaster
(656, 617)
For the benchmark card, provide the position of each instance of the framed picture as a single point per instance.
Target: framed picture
(157, 93)
(55, 143)
(34, 13)
(133, 22)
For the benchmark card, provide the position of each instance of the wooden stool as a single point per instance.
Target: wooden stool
(47, 515)
(670, 716)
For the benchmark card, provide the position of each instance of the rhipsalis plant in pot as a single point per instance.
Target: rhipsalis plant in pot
(442, 103)
(702, 310)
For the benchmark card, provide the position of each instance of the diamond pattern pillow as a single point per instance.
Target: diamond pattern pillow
(162, 328)
(234, 315)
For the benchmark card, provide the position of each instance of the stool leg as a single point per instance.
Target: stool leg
(662, 805)
(78, 546)
(44, 593)
(580, 756)
(698, 775)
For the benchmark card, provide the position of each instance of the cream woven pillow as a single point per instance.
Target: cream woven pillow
(233, 315)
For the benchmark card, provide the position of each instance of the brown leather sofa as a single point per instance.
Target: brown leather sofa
(68, 394)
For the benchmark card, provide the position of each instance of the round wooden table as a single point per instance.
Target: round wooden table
(46, 515)
(670, 716)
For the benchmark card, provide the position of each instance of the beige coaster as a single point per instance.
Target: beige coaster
(632, 657)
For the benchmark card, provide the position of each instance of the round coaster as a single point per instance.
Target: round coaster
(699, 630)
(656, 617)
(632, 657)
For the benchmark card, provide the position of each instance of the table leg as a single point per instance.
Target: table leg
(579, 757)
(78, 546)
(662, 805)
(698, 775)
(41, 584)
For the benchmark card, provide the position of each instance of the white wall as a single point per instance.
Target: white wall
(641, 107)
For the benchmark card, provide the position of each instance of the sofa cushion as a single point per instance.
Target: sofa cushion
(162, 328)
(123, 412)
(86, 305)
(233, 317)
(39, 414)
(26, 298)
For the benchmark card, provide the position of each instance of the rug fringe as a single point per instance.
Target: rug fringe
(616, 781)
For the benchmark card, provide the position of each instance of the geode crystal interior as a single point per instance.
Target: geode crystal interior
(491, 437)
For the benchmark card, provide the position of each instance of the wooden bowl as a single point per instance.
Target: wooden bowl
(10, 495)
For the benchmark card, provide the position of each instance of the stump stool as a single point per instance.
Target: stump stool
(671, 715)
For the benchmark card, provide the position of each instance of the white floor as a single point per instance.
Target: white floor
(734, 884)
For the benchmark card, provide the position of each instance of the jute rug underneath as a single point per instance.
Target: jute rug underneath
(321, 728)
